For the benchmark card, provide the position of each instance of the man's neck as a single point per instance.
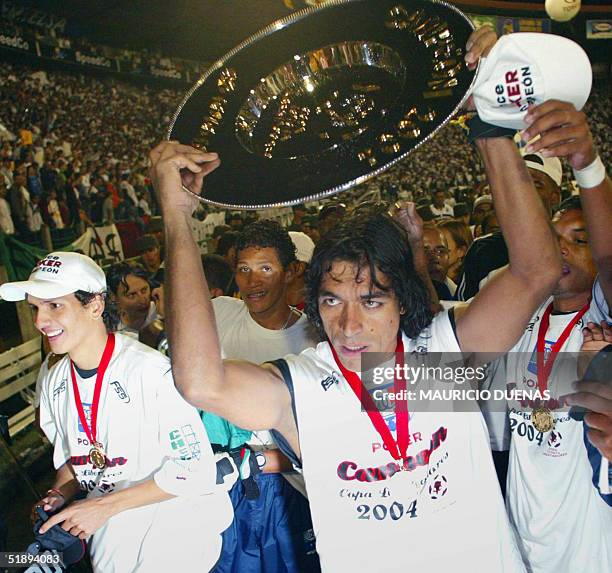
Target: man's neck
(89, 353)
(276, 318)
(570, 302)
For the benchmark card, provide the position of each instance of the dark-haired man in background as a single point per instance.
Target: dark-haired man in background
(130, 290)
(272, 527)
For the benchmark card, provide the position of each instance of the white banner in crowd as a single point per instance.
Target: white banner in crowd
(102, 244)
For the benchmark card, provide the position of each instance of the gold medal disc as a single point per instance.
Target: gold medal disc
(97, 457)
(542, 419)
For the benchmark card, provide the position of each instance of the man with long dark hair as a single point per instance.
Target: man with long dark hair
(383, 492)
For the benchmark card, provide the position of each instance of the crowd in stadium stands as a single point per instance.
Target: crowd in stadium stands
(74, 145)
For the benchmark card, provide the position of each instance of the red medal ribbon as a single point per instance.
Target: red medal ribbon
(545, 367)
(106, 356)
(397, 449)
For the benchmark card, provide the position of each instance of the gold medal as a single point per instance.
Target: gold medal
(542, 419)
(97, 457)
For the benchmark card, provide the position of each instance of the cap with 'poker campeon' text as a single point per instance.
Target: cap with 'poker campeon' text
(526, 69)
(58, 274)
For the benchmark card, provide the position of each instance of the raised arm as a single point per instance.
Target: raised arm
(565, 133)
(497, 316)
(227, 388)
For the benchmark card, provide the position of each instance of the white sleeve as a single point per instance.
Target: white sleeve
(47, 419)
(599, 306)
(42, 373)
(189, 466)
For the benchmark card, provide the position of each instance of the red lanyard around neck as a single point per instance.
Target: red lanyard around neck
(106, 356)
(545, 367)
(398, 449)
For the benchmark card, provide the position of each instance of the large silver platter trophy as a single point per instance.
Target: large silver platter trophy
(325, 99)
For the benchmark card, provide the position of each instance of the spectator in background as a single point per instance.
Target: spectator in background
(34, 217)
(458, 240)
(311, 228)
(438, 205)
(461, 212)
(155, 227)
(481, 207)
(48, 175)
(19, 199)
(226, 247)
(547, 174)
(235, 221)
(105, 197)
(126, 186)
(35, 186)
(299, 211)
(217, 233)
(329, 215)
(131, 292)
(219, 274)
(6, 221)
(438, 261)
(144, 208)
(149, 250)
(296, 289)
(50, 208)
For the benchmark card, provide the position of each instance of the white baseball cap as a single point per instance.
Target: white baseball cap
(58, 274)
(526, 69)
(304, 246)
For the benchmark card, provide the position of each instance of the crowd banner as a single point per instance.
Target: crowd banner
(18, 42)
(202, 230)
(102, 244)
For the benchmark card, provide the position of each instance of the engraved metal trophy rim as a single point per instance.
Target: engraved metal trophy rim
(272, 28)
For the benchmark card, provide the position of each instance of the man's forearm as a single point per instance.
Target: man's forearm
(190, 319)
(144, 493)
(66, 483)
(520, 212)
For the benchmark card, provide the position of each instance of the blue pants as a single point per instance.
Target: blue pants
(270, 534)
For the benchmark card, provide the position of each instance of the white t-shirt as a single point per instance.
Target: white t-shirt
(242, 338)
(148, 431)
(446, 514)
(447, 210)
(563, 524)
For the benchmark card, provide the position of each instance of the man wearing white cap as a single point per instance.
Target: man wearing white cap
(120, 431)
(489, 253)
(304, 247)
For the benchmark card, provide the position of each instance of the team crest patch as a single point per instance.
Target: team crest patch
(328, 382)
(554, 440)
(438, 487)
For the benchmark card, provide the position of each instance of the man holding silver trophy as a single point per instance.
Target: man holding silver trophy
(414, 488)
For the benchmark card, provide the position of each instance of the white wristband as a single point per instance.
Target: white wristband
(592, 175)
